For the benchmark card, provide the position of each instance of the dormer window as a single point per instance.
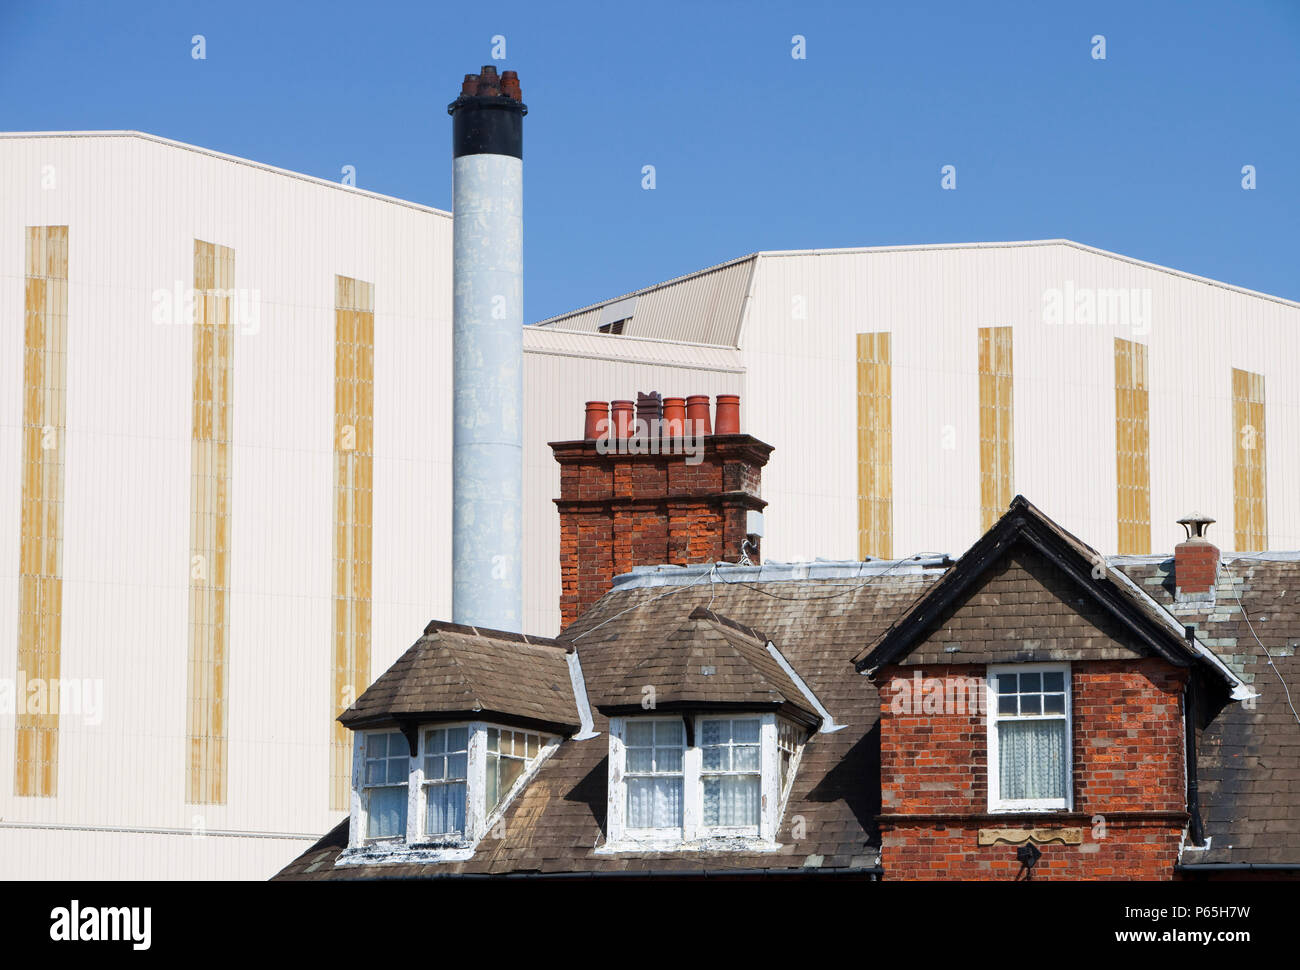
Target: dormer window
(446, 768)
(731, 774)
(387, 768)
(437, 806)
(654, 774)
(686, 779)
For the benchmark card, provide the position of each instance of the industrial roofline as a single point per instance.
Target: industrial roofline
(924, 247)
(211, 153)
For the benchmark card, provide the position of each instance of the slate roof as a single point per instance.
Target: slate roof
(1248, 757)
(459, 670)
(556, 823)
(708, 660)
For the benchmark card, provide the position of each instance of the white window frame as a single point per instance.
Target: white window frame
(992, 718)
(361, 788)
(694, 834)
(504, 797)
(751, 831)
(800, 736)
(417, 846)
(668, 833)
(419, 790)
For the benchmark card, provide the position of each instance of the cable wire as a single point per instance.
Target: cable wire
(1250, 626)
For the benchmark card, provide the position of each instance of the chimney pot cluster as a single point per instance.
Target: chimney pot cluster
(653, 416)
(489, 85)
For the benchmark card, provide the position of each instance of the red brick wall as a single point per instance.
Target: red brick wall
(618, 511)
(1196, 566)
(1127, 760)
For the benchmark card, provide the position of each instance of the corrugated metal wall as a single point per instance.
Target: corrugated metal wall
(801, 372)
(134, 207)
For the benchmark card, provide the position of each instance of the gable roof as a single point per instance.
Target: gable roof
(456, 671)
(708, 662)
(1151, 627)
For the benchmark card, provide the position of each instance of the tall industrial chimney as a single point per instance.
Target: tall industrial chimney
(487, 351)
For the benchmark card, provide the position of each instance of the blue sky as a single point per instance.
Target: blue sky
(1140, 153)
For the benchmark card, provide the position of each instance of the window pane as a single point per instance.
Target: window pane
(1007, 705)
(668, 759)
(444, 809)
(640, 733)
(654, 803)
(386, 811)
(1030, 683)
(399, 769)
(456, 764)
(435, 742)
(745, 732)
(376, 745)
(457, 739)
(731, 800)
(1006, 683)
(435, 767)
(1054, 704)
(493, 789)
(713, 732)
(1031, 759)
(745, 758)
(715, 759)
(493, 739)
(640, 759)
(1054, 681)
(532, 745)
(668, 732)
(511, 769)
(1031, 704)
(375, 772)
(397, 746)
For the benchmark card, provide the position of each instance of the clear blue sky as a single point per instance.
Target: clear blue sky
(1140, 153)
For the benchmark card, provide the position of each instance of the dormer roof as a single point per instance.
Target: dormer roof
(454, 672)
(709, 662)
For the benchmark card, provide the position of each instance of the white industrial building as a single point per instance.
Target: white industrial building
(224, 522)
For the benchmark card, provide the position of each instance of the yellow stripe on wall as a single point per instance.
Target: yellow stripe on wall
(354, 413)
(875, 448)
(997, 484)
(209, 625)
(40, 558)
(1132, 447)
(1250, 484)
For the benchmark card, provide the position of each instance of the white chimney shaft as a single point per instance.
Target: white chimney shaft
(487, 352)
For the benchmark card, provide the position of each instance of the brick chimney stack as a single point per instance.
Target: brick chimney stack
(652, 491)
(1196, 560)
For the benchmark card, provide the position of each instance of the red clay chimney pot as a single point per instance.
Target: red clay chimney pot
(728, 414)
(674, 416)
(623, 418)
(597, 423)
(697, 415)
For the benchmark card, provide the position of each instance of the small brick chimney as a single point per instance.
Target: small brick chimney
(660, 490)
(1196, 560)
